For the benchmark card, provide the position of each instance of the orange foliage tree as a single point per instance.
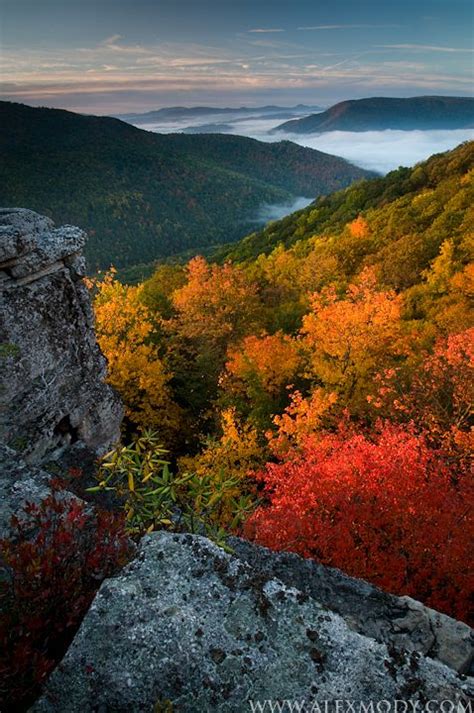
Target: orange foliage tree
(348, 340)
(359, 228)
(388, 509)
(216, 306)
(258, 372)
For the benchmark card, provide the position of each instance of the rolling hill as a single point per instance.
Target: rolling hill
(380, 113)
(142, 195)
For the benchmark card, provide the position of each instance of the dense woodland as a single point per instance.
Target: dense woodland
(141, 195)
(313, 386)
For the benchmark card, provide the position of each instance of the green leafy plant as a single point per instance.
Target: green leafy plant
(155, 498)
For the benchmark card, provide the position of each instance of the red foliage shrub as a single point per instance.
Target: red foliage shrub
(50, 569)
(388, 509)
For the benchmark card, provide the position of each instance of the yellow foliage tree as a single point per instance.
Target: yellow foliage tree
(124, 327)
(216, 307)
(302, 418)
(226, 463)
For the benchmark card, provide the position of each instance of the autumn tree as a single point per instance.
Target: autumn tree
(317, 268)
(438, 397)
(225, 462)
(451, 307)
(157, 291)
(215, 308)
(124, 327)
(304, 416)
(217, 304)
(349, 339)
(359, 227)
(258, 372)
(277, 277)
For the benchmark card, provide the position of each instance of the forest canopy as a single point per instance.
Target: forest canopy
(319, 379)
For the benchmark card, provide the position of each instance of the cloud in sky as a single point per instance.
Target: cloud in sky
(112, 44)
(345, 27)
(110, 40)
(427, 48)
(270, 29)
(105, 57)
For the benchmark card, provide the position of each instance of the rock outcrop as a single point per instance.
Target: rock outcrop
(19, 484)
(396, 621)
(52, 390)
(188, 624)
(22, 484)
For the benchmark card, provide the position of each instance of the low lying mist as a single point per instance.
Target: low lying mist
(380, 151)
(274, 211)
(383, 151)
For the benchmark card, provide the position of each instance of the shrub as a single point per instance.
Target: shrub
(389, 509)
(51, 566)
(155, 498)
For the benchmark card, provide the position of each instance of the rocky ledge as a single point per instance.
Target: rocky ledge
(52, 390)
(191, 627)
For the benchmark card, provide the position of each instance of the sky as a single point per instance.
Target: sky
(113, 56)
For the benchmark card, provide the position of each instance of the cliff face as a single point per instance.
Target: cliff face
(52, 390)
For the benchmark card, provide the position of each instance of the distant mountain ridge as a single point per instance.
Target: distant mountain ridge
(144, 196)
(178, 113)
(380, 113)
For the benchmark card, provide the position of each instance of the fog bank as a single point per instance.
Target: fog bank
(275, 211)
(383, 151)
(380, 151)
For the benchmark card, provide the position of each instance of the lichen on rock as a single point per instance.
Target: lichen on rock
(188, 623)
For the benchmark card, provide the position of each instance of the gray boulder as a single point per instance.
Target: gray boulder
(22, 484)
(188, 624)
(52, 390)
(396, 621)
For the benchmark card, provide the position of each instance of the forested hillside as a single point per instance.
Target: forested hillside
(381, 113)
(317, 394)
(141, 195)
(426, 199)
